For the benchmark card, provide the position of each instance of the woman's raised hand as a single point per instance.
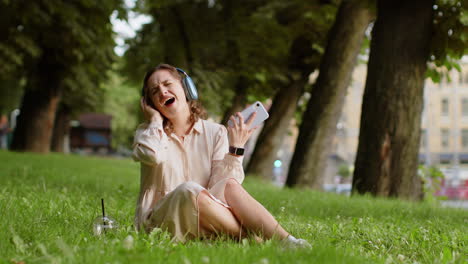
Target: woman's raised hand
(240, 132)
(150, 114)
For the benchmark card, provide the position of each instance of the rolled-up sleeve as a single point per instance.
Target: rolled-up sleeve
(150, 144)
(224, 165)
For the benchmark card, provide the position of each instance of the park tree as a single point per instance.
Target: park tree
(87, 94)
(309, 23)
(387, 156)
(121, 100)
(256, 51)
(234, 49)
(178, 35)
(407, 36)
(115, 96)
(327, 97)
(15, 47)
(67, 45)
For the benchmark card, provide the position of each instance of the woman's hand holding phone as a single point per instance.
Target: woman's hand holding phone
(150, 113)
(240, 132)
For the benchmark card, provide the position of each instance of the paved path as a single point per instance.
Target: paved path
(456, 204)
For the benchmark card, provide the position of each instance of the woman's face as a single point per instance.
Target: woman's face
(167, 93)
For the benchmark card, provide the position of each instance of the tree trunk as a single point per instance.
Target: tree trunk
(61, 128)
(184, 39)
(37, 113)
(171, 27)
(275, 129)
(318, 127)
(387, 156)
(239, 100)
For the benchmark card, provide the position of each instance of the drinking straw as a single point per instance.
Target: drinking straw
(102, 205)
(103, 215)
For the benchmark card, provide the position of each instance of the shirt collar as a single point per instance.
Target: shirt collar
(198, 127)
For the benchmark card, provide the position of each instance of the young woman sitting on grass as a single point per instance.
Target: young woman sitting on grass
(190, 182)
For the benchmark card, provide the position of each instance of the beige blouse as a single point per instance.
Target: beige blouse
(167, 162)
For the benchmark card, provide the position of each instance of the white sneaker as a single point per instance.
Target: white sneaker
(292, 242)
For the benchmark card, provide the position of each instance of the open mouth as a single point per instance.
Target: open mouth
(169, 101)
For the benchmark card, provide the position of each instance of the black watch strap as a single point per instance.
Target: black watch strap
(236, 151)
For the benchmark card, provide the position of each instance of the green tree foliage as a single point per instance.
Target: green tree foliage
(344, 170)
(10, 94)
(16, 44)
(232, 39)
(58, 47)
(80, 32)
(121, 100)
(449, 38)
(432, 178)
(258, 44)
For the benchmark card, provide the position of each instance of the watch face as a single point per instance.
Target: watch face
(240, 151)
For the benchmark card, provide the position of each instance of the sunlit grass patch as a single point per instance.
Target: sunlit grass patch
(49, 202)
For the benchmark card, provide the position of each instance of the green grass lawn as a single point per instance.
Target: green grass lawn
(48, 203)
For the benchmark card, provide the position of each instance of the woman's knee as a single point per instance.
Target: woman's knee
(204, 200)
(232, 183)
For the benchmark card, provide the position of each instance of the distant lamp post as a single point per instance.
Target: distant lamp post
(277, 163)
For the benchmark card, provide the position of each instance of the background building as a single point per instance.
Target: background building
(91, 133)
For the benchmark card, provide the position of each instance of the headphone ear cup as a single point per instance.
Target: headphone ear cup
(190, 88)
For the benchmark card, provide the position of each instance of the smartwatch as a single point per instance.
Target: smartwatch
(236, 151)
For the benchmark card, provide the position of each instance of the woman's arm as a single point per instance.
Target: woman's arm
(150, 140)
(226, 165)
(149, 144)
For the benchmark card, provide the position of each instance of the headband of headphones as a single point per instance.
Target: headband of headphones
(188, 84)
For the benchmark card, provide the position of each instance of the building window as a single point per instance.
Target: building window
(423, 138)
(445, 107)
(464, 106)
(444, 138)
(464, 138)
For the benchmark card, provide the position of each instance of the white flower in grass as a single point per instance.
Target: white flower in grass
(128, 242)
(264, 261)
(389, 260)
(401, 257)
(205, 259)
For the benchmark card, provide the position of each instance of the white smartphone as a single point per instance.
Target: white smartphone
(261, 116)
